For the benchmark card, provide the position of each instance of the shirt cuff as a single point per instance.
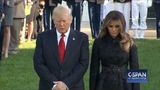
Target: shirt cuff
(66, 86)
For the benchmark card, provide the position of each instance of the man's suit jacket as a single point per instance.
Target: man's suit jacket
(47, 62)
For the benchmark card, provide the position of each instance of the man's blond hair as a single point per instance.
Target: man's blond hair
(61, 10)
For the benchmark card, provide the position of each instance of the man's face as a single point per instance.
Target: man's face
(62, 22)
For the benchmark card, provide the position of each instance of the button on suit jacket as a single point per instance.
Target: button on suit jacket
(47, 62)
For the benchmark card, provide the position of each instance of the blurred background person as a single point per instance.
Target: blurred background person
(38, 21)
(113, 53)
(28, 6)
(94, 10)
(157, 10)
(18, 22)
(140, 10)
(124, 7)
(106, 7)
(7, 22)
(77, 10)
(48, 8)
(32, 18)
(1, 11)
(1, 18)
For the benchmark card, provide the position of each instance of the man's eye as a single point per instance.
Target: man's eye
(117, 26)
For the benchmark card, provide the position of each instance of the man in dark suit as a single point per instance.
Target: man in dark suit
(61, 56)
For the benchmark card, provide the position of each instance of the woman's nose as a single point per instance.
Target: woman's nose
(113, 28)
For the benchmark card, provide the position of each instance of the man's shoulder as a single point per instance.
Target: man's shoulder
(81, 34)
(46, 33)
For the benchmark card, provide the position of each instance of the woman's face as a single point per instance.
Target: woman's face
(114, 28)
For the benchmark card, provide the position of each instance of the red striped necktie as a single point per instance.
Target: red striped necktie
(61, 48)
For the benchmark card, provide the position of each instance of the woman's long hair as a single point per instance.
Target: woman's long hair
(126, 40)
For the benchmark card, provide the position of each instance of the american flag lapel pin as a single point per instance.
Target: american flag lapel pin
(73, 38)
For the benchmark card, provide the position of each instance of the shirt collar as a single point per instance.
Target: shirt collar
(66, 34)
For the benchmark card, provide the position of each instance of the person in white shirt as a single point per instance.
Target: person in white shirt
(124, 7)
(106, 7)
(140, 9)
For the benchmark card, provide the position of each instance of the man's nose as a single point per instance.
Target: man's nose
(61, 23)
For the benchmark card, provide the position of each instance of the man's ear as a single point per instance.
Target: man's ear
(71, 18)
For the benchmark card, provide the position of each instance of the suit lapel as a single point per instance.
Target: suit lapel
(70, 45)
(54, 46)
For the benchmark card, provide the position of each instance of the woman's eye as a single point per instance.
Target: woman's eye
(117, 26)
(110, 26)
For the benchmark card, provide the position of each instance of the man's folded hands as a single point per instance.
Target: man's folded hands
(59, 85)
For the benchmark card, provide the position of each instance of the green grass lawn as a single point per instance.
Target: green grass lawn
(17, 73)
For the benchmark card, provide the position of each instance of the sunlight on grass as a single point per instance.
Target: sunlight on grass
(28, 45)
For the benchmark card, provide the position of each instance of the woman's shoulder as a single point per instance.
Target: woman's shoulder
(98, 41)
(133, 47)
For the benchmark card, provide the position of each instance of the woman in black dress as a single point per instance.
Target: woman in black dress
(113, 53)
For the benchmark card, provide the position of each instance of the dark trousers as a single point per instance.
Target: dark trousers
(77, 9)
(94, 17)
(157, 10)
(48, 22)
